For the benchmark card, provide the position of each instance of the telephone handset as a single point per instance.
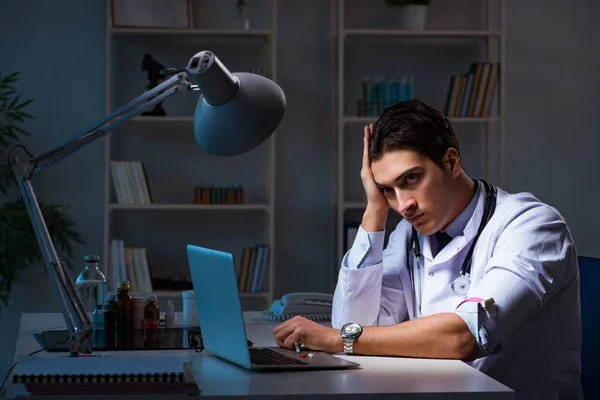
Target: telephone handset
(311, 305)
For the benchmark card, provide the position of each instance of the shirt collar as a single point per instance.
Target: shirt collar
(457, 227)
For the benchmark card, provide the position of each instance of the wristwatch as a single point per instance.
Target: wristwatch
(350, 332)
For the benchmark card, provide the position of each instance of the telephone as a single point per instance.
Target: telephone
(311, 305)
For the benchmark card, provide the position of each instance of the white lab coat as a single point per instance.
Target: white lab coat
(525, 259)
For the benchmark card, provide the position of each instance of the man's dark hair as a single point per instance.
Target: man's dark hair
(412, 125)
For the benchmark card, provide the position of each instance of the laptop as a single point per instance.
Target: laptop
(222, 322)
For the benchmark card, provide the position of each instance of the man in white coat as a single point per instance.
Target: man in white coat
(510, 310)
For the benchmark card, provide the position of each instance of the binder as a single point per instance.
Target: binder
(105, 375)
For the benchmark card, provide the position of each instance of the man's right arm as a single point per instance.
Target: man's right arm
(374, 219)
(369, 290)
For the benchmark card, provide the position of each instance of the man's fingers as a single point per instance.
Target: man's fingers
(282, 335)
(365, 160)
(294, 337)
(280, 327)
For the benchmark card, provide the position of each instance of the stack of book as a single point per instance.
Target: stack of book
(251, 271)
(129, 264)
(130, 182)
(471, 94)
(380, 93)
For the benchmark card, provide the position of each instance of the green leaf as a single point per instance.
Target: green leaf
(24, 104)
(20, 130)
(12, 78)
(18, 245)
(14, 102)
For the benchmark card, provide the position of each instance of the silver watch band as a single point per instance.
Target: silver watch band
(349, 346)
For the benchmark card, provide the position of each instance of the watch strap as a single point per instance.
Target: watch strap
(349, 346)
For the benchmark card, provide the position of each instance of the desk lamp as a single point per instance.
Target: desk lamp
(235, 113)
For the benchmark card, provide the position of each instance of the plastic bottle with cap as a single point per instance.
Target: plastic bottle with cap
(170, 315)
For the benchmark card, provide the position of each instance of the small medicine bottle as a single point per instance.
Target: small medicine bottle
(110, 312)
(98, 318)
(151, 313)
(139, 304)
(170, 315)
(124, 306)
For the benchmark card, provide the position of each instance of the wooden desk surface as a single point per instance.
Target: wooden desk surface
(379, 377)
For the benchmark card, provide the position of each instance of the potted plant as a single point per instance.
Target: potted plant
(18, 244)
(413, 13)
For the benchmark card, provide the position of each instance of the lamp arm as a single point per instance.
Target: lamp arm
(25, 167)
(176, 83)
(76, 318)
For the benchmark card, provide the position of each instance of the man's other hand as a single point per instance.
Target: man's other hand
(311, 334)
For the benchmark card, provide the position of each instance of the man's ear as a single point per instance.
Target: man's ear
(453, 161)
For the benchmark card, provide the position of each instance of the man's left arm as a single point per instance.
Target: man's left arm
(443, 335)
(530, 263)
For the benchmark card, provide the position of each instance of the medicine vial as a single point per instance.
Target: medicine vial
(98, 318)
(124, 306)
(151, 314)
(137, 321)
(110, 312)
(170, 315)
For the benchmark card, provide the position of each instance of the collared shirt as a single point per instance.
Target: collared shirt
(457, 226)
(525, 259)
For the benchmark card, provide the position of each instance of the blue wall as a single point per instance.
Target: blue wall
(59, 48)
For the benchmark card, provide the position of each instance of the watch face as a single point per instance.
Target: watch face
(351, 329)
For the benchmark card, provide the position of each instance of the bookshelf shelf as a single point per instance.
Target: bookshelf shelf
(191, 207)
(425, 33)
(354, 205)
(231, 33)
(369, 119)
(172, 294)
(363, 54)
(161, 120)
(131, 161)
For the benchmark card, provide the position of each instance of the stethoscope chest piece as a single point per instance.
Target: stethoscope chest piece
(461, 285)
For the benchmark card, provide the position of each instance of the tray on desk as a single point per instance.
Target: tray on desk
(135, 339)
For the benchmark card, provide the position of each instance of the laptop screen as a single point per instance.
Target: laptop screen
(218, 304)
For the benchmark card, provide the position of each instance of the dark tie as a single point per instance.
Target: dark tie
(442, 239)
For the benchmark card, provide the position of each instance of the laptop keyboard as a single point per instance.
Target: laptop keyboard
(264, 356)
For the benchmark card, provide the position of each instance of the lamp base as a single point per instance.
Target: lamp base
(80, 343)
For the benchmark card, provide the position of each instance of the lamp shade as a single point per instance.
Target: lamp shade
(243, 122)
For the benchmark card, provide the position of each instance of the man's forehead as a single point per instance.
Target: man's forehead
(393, 164)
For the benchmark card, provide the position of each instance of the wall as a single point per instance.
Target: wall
(550, 57)
(552, 135)
(59, 49)
(61, 53)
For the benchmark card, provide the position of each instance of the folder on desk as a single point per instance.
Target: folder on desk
(105, 375)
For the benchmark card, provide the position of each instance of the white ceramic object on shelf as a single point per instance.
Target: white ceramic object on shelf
(413, 17)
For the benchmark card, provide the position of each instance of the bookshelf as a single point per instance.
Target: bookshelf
(368, 42)
(173, 164)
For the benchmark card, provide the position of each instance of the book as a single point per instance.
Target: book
(105, 375)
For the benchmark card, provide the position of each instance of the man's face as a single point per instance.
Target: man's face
(415, 187)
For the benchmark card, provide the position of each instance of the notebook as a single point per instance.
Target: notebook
(223, 329)
(105, 375)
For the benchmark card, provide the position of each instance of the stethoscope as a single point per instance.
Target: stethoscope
(462, 282)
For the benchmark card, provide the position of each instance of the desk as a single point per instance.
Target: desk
(379, 377)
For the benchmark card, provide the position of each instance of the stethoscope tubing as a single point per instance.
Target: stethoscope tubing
(463, 280)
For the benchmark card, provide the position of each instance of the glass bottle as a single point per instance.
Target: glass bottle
(110, 312)
(124, 306)
(91, 285)
(151, 314)
(98, 318)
